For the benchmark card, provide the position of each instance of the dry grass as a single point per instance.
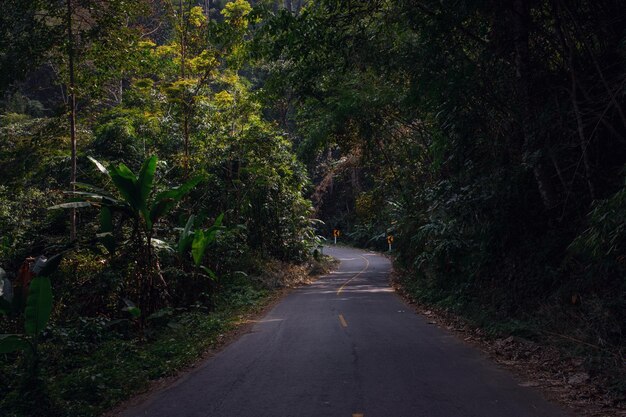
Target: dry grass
(279, 274)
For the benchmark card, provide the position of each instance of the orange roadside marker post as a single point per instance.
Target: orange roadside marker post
(389, 241)
(336, 234)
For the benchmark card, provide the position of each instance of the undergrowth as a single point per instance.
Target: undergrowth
(93, 363)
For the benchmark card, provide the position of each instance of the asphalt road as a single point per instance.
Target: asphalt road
(347, 346)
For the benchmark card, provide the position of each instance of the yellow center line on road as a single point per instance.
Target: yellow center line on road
(343, 322)
(367, 264)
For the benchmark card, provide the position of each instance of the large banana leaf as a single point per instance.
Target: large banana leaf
(126, 184)
(145, 179)
(38, 305)
(199, 245)
(106, 229)
(51, 265)
(93, 189)
(12, 342)
(199, 239)
(94, 197)
(202, 239)
(161, 245)
(166, 200)
(98, 165)
(186, 236)
(73, 204)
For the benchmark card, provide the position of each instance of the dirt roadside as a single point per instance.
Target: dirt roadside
(561, 380)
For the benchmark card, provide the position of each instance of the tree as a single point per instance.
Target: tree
(86, 23)
(26, 39)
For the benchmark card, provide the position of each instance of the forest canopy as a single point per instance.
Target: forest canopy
(163, 153)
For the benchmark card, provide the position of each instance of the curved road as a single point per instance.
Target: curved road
(346, 346)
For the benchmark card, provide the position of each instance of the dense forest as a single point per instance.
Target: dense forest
(159, 157)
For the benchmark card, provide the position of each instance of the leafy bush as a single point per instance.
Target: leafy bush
(125, 135)
(598, 265)
(26, 228)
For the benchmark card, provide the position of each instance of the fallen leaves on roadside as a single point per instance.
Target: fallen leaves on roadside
(543, 367)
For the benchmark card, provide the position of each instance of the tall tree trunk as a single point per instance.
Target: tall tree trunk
(183, 32)
(207, 6)
(521, 23)
(72, 111)
(183, 52)
(568, 52)
(582, 38)
(581, 132)
(288, 5)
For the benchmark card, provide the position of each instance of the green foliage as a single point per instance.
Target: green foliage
(25, 226)
(96, 362)
(25, 39)
(37, 312)
(202, 239)
(30, 154)
(186, 236)
(38, 305)
(235, 13)
(12, 342)
(189, 95)
(199, 245)
(597, 263)
(606, 236)
(127, 135)
(165, 201)
(136, 192)
(21, 107)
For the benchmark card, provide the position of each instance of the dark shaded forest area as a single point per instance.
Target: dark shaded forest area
(168, 159)
(488, 138)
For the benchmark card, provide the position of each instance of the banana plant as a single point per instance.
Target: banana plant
(136, 200)
(198, 240)
(37, 313)
(6, 294)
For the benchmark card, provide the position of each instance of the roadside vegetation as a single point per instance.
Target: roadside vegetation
(159, 156)
(145, 197)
